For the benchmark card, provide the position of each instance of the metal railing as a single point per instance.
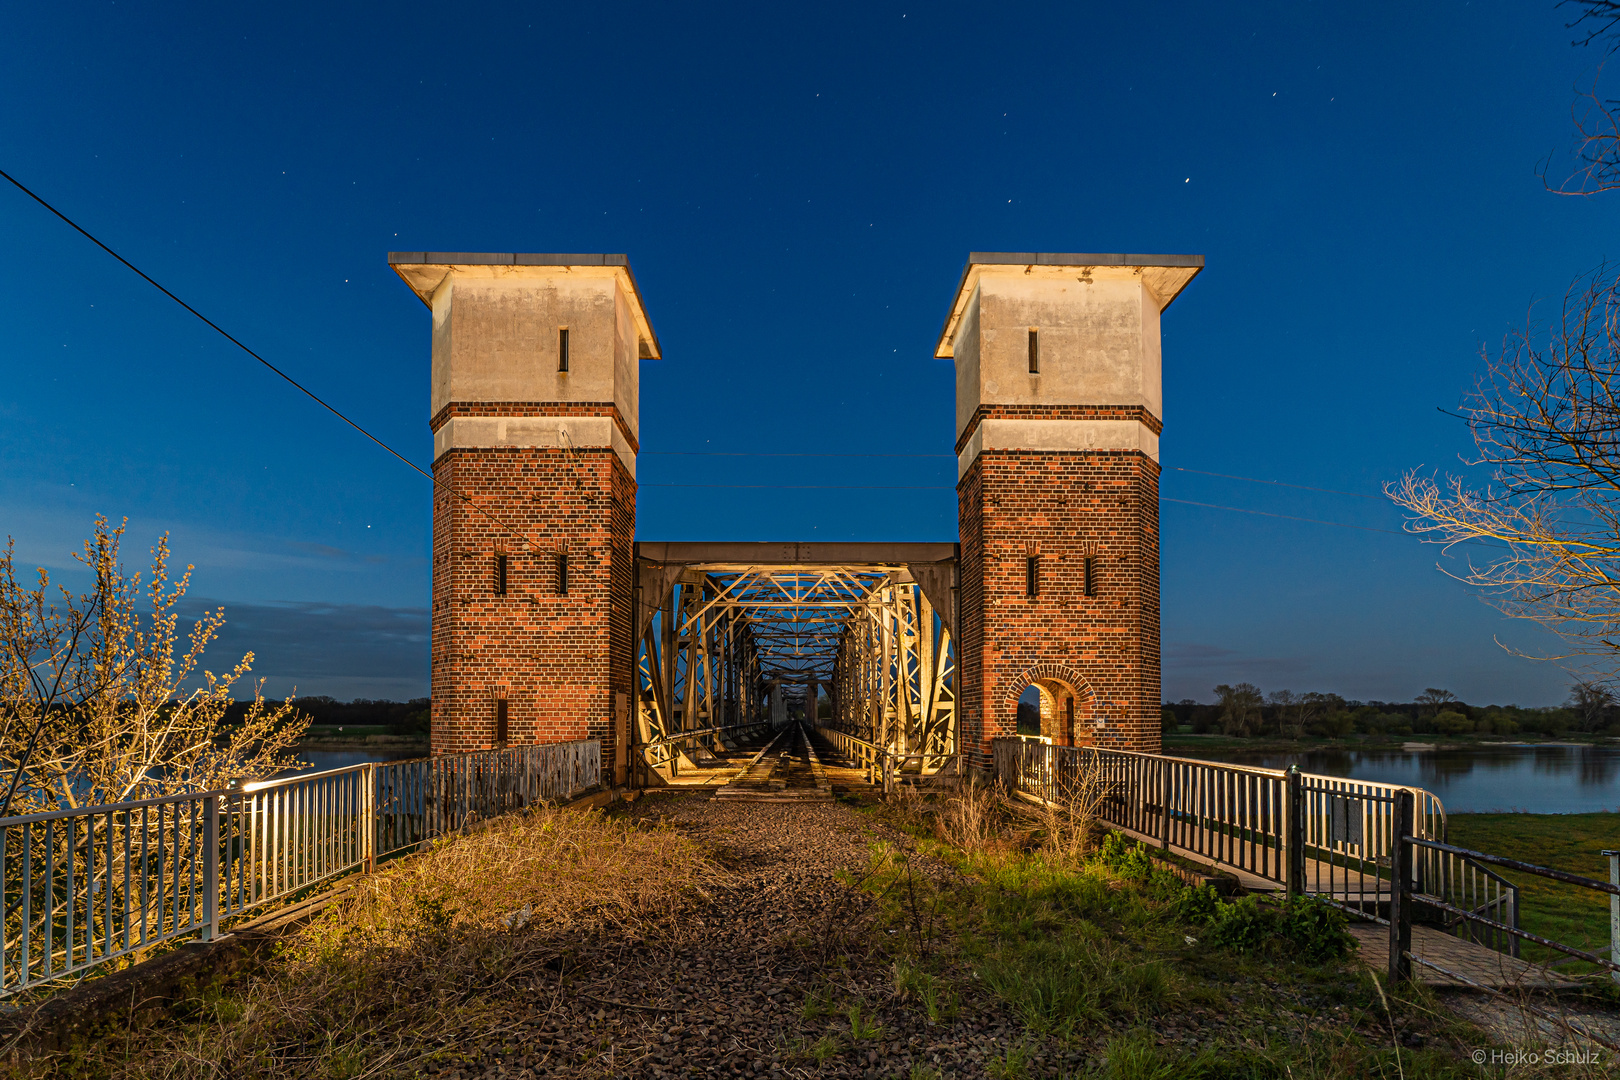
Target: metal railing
(1248, 819)
(84, 888)
(858, 752)
(893, 766)
(1413, 892)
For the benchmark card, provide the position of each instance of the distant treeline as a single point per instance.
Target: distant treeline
(402, 718)
(1242, 710)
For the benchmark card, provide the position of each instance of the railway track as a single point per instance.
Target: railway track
(787, 770)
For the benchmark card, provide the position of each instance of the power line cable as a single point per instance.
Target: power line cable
(222, 332)
(1279, 483)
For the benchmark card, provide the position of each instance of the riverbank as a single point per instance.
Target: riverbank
(392, 745)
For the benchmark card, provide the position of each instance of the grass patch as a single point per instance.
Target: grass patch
(1106, 953)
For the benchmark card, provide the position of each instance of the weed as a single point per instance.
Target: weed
(1196, 906)
(968, 820)
(1134, 1056)
(823, 1049)
(919, 1071)
(939, 1002)
(862, 1024)
(1012, 1065)
(817, 1002)
(1309, 927)
(1126, 858)
(1057, 982)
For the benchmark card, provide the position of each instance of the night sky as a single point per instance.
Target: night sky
(797, 190)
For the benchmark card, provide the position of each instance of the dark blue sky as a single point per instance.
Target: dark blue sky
(797, 191)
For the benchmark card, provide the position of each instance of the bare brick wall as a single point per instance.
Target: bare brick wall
(558, 660)
(1060, 506)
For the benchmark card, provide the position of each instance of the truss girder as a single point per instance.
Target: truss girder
(720, 641)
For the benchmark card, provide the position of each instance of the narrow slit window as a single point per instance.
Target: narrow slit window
(500, 722)
(562, 573)
(562, 348)
(1032, 575)
(500, 575)
(1034, 352)
(1091, 575)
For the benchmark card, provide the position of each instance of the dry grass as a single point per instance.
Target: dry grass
(969, 818)
(1070, 817)
(421, 954)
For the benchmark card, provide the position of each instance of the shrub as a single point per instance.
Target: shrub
(1452, 723)
(1310, 928)
(1197, 906)
(1316, 929)
(1126, 858)
(1241, 925)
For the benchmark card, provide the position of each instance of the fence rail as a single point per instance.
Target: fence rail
(84, 888)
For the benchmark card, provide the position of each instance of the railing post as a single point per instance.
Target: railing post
(1614, 911)
(210, 867)
(1166, 773)
(1400, 896)
(368, 816)
(1294, 808)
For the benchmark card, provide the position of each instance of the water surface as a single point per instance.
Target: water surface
(1555, 778)
(321, 760)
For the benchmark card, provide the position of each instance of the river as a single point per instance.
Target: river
(1551, 778)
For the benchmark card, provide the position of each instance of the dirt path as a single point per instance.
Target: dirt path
(761, 981)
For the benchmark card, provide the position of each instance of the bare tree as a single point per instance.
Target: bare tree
(101, 702)
(1290, 721)
(1591, 700)
(1240, 708)
(1435, 699)
(1545, 418)
(1596, 166)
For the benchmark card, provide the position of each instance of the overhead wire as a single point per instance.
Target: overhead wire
(222, 332)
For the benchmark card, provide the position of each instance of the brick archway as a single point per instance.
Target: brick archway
(1063, 673)
(1063, 689)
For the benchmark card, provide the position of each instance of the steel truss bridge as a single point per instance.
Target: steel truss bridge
(731, 636)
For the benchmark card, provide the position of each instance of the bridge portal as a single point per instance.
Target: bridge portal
(550, 622)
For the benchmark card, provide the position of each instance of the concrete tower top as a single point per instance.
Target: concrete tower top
(1060, 353)
(1164, 275)
(532, 350)
(425, 271)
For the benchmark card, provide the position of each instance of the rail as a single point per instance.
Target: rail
(88, 887)
(1413, 892)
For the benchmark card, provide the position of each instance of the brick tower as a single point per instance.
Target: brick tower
(535, 375)
(1058, 414)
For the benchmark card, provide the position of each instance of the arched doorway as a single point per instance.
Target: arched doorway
(1064, 701)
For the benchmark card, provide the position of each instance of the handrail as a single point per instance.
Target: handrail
(100, 808)
(295, 778)
(88, 886)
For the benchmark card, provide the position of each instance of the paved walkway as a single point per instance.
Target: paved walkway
(1473, 961)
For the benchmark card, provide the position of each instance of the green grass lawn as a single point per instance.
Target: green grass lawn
(1568, 842)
